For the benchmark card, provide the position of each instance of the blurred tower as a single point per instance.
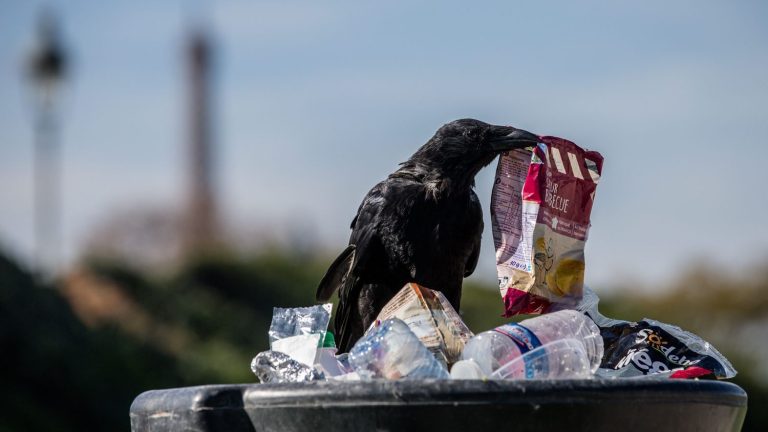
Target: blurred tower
(47, 70)
(200, 227)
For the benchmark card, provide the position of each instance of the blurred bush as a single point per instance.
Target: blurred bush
(76, 353)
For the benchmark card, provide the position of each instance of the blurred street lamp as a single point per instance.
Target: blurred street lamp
(46, 70)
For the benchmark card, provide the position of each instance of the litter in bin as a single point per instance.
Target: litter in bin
(467, 369)
(299, 332)
(529, 350)
(391, 350)
(326, 360)
(540, 239)
(560, 359)
(431, 318)
(277, 367)
(287, 322)
(566, 344)
(653, 348)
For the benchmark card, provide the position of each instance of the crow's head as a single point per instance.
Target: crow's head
(461, 148)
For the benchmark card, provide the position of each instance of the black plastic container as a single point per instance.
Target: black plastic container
(616, 405)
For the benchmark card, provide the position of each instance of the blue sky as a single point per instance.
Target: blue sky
(317, 101)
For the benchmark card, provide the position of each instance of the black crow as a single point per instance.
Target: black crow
(422, 224)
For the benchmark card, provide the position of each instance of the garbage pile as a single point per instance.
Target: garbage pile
(541, 204)
(424, 338)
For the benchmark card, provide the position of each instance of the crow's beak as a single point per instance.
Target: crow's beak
(503, 138)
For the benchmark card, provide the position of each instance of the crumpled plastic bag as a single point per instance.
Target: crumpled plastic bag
(299, 332)
(287, 322)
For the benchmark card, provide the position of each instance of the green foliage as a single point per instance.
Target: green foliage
(59, 375)
(220, 307)
(481, 307)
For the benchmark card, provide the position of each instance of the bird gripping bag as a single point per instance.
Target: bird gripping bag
(540, 207)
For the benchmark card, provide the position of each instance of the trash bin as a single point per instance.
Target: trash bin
(446, 405)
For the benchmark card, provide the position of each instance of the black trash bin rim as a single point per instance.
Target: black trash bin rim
(599, 404)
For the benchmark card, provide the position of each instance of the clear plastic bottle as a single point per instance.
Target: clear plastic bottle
(561, 359)
(393, 351)
(495, 348)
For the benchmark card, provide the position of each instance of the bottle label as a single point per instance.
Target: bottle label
(525, 341)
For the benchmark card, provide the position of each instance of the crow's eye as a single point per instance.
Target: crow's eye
(473, 133)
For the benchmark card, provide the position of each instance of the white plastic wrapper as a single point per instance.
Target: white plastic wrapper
(302, 348)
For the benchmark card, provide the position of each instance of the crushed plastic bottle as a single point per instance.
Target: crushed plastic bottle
(392, 351)
(431, 317)
(495, 348)
(560, 359)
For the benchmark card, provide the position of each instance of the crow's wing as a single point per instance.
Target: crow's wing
(474, 256)
(368, 257)
(341, 267)
(336, 274)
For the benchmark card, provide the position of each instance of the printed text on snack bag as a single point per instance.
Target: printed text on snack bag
(553, 200)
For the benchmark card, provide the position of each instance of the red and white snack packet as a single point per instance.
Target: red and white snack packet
(540, 208)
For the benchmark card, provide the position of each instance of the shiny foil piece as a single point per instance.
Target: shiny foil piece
(276, 367)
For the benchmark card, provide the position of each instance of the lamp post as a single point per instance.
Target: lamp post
(46, 70)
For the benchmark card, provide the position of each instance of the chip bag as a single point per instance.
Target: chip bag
(540, 209)
(650, 348)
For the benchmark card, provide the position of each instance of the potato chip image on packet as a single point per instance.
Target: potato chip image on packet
(540, 209)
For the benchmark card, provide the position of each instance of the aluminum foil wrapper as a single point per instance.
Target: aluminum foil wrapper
(287, 322)
(276, 367)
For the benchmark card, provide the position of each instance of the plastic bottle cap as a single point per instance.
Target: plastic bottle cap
(329, 341)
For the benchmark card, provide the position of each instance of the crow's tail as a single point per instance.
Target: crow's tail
(336, 274)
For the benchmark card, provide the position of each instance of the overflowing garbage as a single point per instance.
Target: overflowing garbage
(408, 343)
(541, 205)
(565, 338)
